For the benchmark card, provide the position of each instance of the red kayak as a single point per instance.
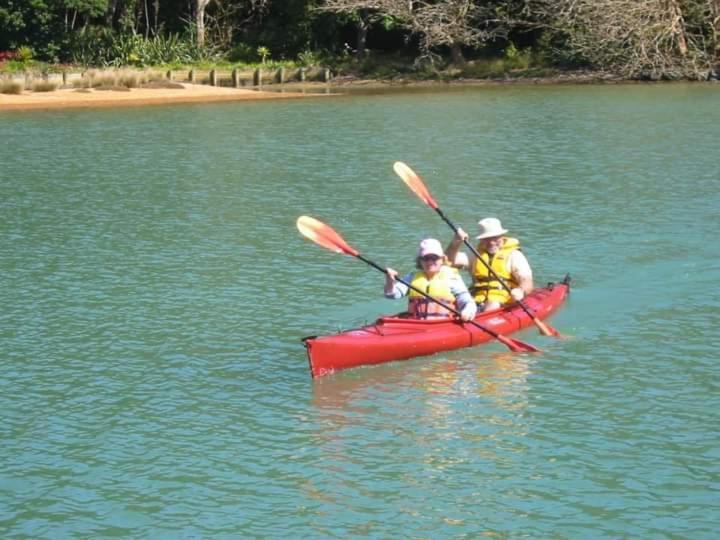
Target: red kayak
(400, 338)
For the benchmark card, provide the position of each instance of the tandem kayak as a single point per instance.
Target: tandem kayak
(399, 338)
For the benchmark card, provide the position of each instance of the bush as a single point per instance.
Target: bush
(24, 54)
(102, 81)
(7, 55)
(44, 86)
(243, 53)
(10, 87)
(308, 58)
(102, 47)
(85, 82)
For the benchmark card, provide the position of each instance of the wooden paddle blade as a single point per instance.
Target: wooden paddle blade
(515, 345)
(546, 329)
(415, 183)
(324, 235)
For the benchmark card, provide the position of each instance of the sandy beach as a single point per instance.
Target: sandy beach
(89, 98)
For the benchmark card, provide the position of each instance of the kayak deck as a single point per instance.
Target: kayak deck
(399, 338)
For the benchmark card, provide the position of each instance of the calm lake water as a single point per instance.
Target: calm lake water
(154, 291)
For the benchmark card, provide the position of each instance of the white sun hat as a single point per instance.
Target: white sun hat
(490, 227)
(430, 246)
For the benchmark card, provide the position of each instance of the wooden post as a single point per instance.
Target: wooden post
(235, 78)
(64, 76)
(192, 76)
(213, 77)
(326, 75)
(169, 75)
(302, 74)
(280, 77)
(257, 78)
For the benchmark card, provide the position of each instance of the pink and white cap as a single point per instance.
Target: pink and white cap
(430, 246)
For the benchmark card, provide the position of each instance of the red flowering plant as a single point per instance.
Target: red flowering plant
(7, 55)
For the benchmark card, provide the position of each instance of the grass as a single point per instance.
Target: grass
(81, 83)
(128, 80)
(10, 87)
(102, 80)
(44, 86)
(162, 84)
(113, 88)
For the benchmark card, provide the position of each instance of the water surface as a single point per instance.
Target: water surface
(155, 290)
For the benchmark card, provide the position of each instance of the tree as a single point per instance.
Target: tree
(438, 23)
(364, 13)
(45, 25)
(451, 23)
(651, 38)
(200, 6)
(230, 15)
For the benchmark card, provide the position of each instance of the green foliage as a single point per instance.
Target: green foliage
(515, 58)
(376, 66)
(263, 53)
(308, 58)
(387, 22)
(13, 66)
(242, 52)
(24, 53)
(491, 68)
(92, 46)
(103, 48)
(107, 34)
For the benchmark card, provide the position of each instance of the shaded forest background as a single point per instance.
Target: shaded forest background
(655, 39)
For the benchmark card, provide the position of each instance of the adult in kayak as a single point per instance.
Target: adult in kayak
(500, 253)
(438, 279)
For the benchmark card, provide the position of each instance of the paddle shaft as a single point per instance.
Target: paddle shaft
(408, 285)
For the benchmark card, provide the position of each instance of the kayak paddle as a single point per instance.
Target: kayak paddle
(417, 186)
(325, 236)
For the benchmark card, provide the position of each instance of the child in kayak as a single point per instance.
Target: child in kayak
(438, 279)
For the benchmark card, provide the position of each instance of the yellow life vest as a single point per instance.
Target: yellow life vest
(485, 288)
(438, 287)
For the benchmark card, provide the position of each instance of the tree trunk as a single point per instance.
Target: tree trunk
(147, 19)
(200, 22)
(156, 15)
(362, 31)
(715, 14)
(678, 26)
(457, 54)
(110, 13)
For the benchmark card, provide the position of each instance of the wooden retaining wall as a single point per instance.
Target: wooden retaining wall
(237, 78)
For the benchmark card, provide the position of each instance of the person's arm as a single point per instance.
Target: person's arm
(522, 273)
(453, 248)
(393, 288)
(463, 299)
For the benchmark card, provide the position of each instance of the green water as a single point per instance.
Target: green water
(154, 290)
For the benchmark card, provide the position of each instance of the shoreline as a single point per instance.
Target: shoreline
(70, 98)
(184, 93)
